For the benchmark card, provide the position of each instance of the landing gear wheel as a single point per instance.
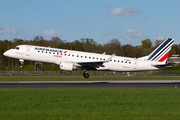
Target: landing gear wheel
(86, 75)
(22, 62)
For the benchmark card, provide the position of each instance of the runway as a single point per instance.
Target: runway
(92, 84)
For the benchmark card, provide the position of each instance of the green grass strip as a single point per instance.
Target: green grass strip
(89, 104)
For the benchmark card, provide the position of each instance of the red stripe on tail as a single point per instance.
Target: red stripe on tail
(164, 57)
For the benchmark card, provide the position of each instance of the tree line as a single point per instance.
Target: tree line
(84, 44)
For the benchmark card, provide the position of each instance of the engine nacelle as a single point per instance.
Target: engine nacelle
(67, 66)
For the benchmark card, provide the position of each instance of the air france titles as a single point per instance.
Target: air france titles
(50, 50)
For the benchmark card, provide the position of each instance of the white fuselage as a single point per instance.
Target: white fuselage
(55, 56)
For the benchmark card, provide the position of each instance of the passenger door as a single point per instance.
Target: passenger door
(28, 50)
(135, 63)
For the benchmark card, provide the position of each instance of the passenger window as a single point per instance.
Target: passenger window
(72, 55)
(114, 60)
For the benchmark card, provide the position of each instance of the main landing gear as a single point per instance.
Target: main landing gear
(85, 74)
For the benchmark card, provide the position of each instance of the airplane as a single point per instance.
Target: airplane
(70, 60)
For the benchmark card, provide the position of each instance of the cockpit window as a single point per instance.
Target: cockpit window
(17, 48)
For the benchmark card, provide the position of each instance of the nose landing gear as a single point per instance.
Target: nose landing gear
(85, 74)
(22, 62)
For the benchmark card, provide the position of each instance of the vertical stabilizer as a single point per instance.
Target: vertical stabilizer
(160, 54)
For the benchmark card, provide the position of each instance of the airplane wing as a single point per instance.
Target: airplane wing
(90, 65)
(93, 65)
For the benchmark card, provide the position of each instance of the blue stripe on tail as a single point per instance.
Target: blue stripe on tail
(154, 54)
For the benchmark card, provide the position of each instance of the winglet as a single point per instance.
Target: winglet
(109, 58)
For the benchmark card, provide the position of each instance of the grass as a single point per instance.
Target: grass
(81, 78)
(76, 104)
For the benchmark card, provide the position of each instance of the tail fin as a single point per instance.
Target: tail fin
(161, 53)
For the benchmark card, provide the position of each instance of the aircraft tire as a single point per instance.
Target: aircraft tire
(86, 75)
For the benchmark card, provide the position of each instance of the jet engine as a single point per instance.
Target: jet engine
(68, 66)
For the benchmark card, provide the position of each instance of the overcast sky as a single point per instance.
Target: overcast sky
(129, 21)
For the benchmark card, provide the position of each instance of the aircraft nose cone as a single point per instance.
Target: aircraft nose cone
(6, 53)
